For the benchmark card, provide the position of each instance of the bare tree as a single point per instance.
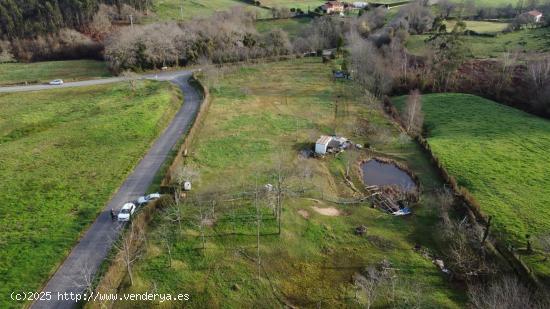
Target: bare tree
(202, 219)
(539, 73)
(372, 282)
(166, 235)
(132, 79)
(446, 7)
(130, 248)
(413, 118)
(503, 78)
(504, 293)
(101, 22)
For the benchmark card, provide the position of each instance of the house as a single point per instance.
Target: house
(333, 7)
(535, 16)
(321, 146)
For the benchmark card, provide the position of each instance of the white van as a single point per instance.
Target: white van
(126, 212)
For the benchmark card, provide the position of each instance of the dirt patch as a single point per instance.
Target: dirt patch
(329, 211)
(303, 213)
(209, 222)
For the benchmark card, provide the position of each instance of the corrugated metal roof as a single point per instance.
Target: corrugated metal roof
(324, 140)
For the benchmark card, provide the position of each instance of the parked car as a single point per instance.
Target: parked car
(126, 212)
(56, 82)
(142, 200)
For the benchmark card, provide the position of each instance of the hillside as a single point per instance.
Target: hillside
(499, 154)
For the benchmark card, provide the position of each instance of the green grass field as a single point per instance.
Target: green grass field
(302, 4)
(480, 26)
(292, 26)
(40, 72)
(500, 155)
(63, 154)
(261, 115)
(170, 9)
(524, 41)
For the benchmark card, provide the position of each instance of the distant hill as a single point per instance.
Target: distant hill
(29, 18)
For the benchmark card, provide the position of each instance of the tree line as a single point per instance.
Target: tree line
(225, 37)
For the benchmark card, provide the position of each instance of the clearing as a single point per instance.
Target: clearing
(261, 117)
(63, 154)
(500, 155)
(43, 72)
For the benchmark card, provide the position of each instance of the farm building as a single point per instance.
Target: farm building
(333, 7)
(535, 16)
(331, 144)
(321, 146)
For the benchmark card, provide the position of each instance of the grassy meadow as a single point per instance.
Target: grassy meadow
(524, 41)
(292, 26)
(41, 72)
(500, 155)
(63, 154)
(171, 9)
(261, 117)
(480, 26)
(302, 4)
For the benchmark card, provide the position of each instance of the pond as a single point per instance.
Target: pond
(376, 173)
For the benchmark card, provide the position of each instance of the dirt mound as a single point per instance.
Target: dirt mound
(329, 211)
(303, 213)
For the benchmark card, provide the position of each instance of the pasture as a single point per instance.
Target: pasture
(41, 72)
(165, 10)
(260, 119)
(301, 4)
(480, 26)
(292, 26)
(63, 154)
(523, 42)
(500, 155)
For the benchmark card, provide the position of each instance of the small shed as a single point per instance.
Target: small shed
(322, 144)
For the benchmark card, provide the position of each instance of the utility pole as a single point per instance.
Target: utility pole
(181, 10)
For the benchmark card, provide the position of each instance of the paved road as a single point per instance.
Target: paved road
(160, 76)
(86, 257)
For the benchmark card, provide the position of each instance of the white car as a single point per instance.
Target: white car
(126, 212)
(56, 82)
(142, 200)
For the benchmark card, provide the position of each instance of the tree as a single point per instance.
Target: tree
(372, 282)
(503, 293)
(449, 52)
(413, 118)
(132, 78)
(446, 7)
(130, 248)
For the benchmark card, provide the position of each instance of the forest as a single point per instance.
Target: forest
(29, 18)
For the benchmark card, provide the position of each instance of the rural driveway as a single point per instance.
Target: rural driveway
(86, 257)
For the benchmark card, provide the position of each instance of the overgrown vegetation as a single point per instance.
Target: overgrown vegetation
(63, 154)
